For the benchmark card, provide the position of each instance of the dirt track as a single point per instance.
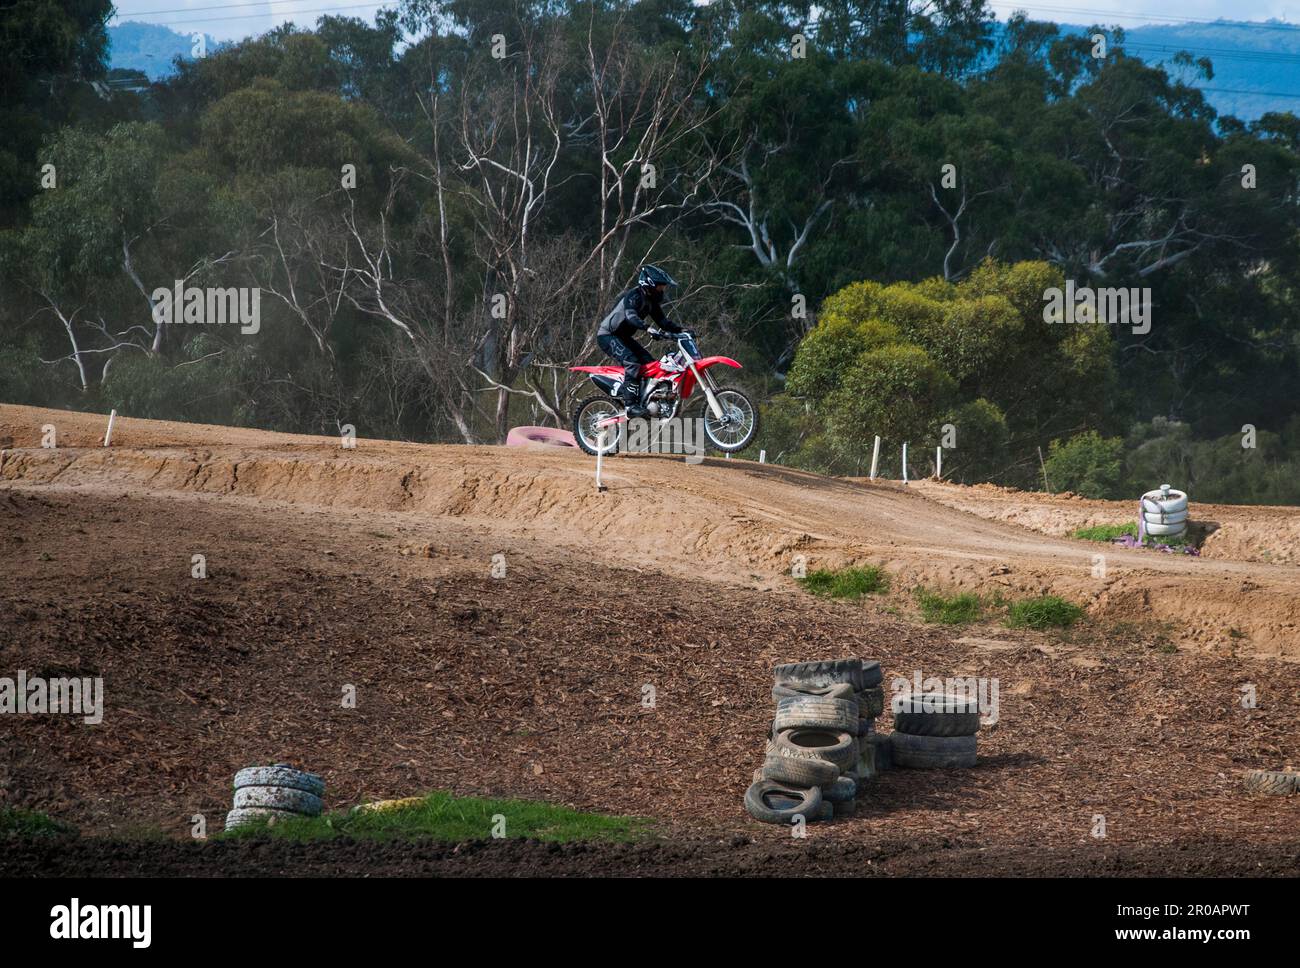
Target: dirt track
(733, 521)
(372, 568)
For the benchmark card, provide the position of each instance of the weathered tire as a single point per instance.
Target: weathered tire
(828, 811)
(539, 436)
(278, 798)
(834, 746)
(789, 688)
(838, 714)
(884, 751)
(871, 701)
(238, 818)
(931, 752)
(938, 716)
(872, 675)
(1274, 782)
(280, 776)
(772, 802)
(823, 673)
(865, 727)
(797, 770)
(844, 788)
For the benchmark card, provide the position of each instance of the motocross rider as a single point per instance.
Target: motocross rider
(635, 310)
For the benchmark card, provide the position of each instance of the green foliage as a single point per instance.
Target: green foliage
(960, 609)
(29, 823)
(1107, 532)
(442, 816)
(1087, 464)
(851, 583)
(1044, 612)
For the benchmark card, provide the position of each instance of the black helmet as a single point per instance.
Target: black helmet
(651, 276)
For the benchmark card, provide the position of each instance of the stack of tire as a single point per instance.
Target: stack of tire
(934, 731)
(275, 792)
(817, 759)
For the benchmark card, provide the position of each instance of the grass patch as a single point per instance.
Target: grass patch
(441, 816)
(1044, 612)
(29, 823)
(949, 609)
(1107, 532)
(850, 583)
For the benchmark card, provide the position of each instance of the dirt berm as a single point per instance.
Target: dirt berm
(726, 521)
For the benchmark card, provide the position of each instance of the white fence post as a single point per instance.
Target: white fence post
(875, 457)
(904, 462)
(762, 457)
(108, 435)
(938, 462)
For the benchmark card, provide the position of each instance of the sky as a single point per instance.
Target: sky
(240, 18)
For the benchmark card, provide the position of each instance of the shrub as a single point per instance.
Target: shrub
(850, 583)
(949, 610)
(1087, 464)
(1044, 612)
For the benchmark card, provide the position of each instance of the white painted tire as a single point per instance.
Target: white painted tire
(545, 436)
(280, 776)
(278, 798)
(1177, 500)
(238, 818)
(1172, 517)
(1166, 529)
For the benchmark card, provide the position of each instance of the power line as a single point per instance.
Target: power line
(1253, 24)
(254, 16)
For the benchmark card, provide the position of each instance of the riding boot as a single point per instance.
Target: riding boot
(632, 399)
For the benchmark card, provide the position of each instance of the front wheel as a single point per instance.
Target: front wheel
(592, 439)
(737, 427)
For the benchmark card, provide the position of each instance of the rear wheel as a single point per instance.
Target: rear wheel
(586, 415)
(737, 427)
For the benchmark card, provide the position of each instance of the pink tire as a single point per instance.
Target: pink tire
(546, 436)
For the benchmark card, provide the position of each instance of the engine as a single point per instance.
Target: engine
(662, 401)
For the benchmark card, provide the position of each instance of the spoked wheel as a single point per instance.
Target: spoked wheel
(586, 416)
(737, 427)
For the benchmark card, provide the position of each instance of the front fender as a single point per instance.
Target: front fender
(709, 361)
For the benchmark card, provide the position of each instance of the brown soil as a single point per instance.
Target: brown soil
(373, 568)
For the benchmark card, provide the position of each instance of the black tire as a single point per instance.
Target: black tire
(706, 415)
(937, 716)
(604, 400)
(1274, 782)
(871, 701)
(836, 746)
(872, 675)
(772, 802)
(931, 752)
(846, 808)
(844, 788)
(823, 673)
(884, 751)
(837, 714)
(798, 771)
(788, 688)
(865, 727)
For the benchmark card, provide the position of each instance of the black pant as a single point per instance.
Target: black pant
(630, 353)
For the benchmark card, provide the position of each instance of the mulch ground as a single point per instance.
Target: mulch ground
(531, 685)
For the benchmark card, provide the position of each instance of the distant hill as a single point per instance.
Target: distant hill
(150, 48)
(1253, 66)
(1263, 61)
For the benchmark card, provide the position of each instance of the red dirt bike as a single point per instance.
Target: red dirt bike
(667, 384)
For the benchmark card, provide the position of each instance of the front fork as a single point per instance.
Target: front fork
(706, 384)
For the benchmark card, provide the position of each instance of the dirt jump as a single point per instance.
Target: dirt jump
(497, 618)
